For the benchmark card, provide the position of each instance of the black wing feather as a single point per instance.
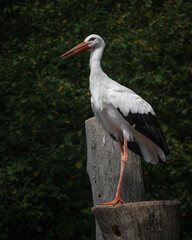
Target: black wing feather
(148, 125)
(133, 146)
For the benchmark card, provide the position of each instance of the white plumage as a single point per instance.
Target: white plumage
(128, 118)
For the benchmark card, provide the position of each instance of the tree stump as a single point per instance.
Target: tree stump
(153, 220)
(103, 167)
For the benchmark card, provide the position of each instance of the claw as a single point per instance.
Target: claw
(114, 202)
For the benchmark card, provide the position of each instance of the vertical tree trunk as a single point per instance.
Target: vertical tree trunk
(103, 167)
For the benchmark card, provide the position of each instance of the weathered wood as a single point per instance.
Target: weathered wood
(103, 167)
(153, 220)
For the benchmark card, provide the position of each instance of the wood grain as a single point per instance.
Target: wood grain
(103, 167)
(152, 220)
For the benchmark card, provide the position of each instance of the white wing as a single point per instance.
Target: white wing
(127, 101)
(139, 114)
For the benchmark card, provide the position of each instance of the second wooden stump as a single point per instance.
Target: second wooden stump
(153, 220)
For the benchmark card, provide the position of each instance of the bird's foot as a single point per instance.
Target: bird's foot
(117, 200)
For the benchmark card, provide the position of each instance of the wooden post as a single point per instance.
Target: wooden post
(103, 167)
(135, 220)
(153, 220)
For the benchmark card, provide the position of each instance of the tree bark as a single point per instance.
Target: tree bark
(153, 220)
(103, 167)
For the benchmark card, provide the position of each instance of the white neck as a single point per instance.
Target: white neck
(97, 76)
(95, 59)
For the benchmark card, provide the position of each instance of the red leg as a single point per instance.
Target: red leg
(124, 157)
(121, 148)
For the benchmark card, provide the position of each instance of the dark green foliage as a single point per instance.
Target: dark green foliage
(44, 189)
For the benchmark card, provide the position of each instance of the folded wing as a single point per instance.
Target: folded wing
(140, 115)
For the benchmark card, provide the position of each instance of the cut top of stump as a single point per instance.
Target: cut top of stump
(151, 220)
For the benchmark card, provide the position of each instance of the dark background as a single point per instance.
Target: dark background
(44, 189)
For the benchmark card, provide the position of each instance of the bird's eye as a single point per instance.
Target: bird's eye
(91, 39)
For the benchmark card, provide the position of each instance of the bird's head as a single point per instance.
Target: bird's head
(91, 42)
(95, 41)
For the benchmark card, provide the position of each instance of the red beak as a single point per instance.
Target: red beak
(79, 48)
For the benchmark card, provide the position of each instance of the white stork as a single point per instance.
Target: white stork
(128, 119)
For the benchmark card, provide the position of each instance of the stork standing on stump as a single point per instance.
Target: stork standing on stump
(128, 119)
